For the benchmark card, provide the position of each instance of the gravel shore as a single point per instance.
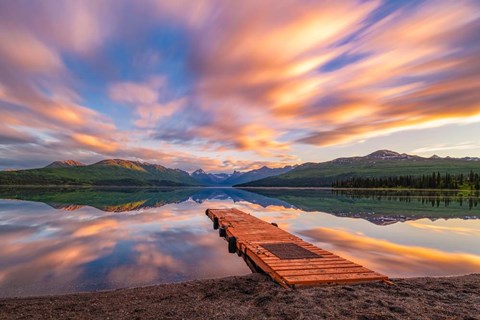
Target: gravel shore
(257, 297)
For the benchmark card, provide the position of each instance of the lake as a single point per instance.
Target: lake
(59, 240)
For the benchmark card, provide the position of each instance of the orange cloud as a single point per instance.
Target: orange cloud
(94, 142)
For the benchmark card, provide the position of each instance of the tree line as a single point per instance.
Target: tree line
(435, 180)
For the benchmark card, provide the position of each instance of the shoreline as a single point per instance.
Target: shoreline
(255, 296)
(83, 186)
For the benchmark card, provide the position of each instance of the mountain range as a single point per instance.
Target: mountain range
(119, 172)
(381, 163)
(237, 177)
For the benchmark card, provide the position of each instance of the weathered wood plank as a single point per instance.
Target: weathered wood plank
(321, 271)
(315, 267)
(309, 279)
(319, 263)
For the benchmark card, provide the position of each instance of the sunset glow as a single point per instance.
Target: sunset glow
(234, 85)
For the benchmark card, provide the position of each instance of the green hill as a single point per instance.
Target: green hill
(112, 172)
(382, 163)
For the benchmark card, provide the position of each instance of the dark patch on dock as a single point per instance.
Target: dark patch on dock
(287, 251)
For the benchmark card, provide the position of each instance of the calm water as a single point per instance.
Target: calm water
(68, 240)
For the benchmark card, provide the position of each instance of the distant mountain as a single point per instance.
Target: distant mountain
(381, 163)
(111, 172)
(210, 179)
(65, 164)
(263, 172)
(224, 179)
(379, 155)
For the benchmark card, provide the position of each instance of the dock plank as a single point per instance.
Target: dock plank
(292, 268)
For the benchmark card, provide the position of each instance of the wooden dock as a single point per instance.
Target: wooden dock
(289, 260)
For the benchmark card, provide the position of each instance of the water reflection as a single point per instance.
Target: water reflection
(377, 206)
(396, 259)
(68, 240)
(45, 251)
(382, 206)
(438, 198)
(130, 199)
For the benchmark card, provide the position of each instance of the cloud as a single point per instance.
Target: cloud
(148, 98)
(21, 49)
(9, 135)
(411, 66)
(250, 80)
(150, 115)
(73, 26)
(418, 64)
(442, 147)
(133, 93)
(37, 100)
(95, 142)
(254, 79)
(43, 115)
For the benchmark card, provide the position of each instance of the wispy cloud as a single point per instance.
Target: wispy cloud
(442, 147)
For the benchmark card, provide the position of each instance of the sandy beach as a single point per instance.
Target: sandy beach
(255, 296)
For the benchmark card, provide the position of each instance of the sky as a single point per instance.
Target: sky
(235, 85)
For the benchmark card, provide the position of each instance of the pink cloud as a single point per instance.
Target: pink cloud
(133, 93)
(21, 49)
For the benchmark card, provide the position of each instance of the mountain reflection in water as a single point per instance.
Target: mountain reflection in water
(376, 206)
